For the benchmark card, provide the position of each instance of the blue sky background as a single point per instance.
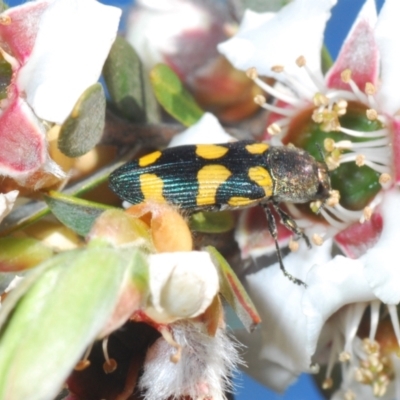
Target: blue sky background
(342, 16)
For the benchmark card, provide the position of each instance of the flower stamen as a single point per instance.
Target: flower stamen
(289, 99)
(110, 365)
(346, 78)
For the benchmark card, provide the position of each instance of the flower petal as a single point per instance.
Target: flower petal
(278, 299)
(73, 41)
(19, 27)
(22, 137)
(388, 38)
(339, 282)
(359, 52)
(296, 30)
(207, 130)
(396, 148)
(355, 240)
(7, 201)
(266, 372)
(182, 285)
(381, 261)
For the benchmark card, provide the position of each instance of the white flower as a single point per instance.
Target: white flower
(286, 46)
(182, 285)
(206, 131)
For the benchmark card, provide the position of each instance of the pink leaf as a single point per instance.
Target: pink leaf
(19, 26)
(359, 237)
(359, 52)
(23, 148)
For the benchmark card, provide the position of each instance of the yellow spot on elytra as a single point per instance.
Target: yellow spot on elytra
(149, 159)
(262, 177)
(210, 178)
(257, 148)
(152, 187)
(210, 151)
(240, 201)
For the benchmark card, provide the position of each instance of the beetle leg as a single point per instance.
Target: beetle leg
(290, 223)
(274, 233)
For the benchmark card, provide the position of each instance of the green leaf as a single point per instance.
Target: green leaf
(128, 84)
(212, 222)
(18, 254)
(77, 214)
(83, 128)
(171, 94)
(326, 59)
(59, 316)
(233, 292)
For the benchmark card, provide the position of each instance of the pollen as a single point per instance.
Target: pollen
(274, 129)
(332, 163)
(334, 197)
(367, 213)
(110, 366)
(346, 76)
(5, 20)
(260, 99)
(320, 99)
(360, 160)
(327, 383)
(277, 68)
(315, 206)
(384, 178)
(370, 89)
(372, 114)
(252, 73)
(329, 144)
(317, 239)
(293, 245)
(82, 365)
(301, 61)
(344, 356)
(349, 395)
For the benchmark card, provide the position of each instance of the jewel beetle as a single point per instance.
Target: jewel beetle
(214, 177)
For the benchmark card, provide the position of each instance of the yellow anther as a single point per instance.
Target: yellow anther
(252, 73)
(320, 99)
(293, 245)
(370, 89)
(360, 160)
(301, 61)
(346, 75)
(315, 206)
(5, 20)
(344, 356)
(349, 395)
(274, 129)
(260, 100)
(372, 114)
(367, 213)
(277, 68)
(332, 163)
(317, 116)
(327, 383)
(334, 198)
(317, 239)
(329, 145)
(384, 178)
